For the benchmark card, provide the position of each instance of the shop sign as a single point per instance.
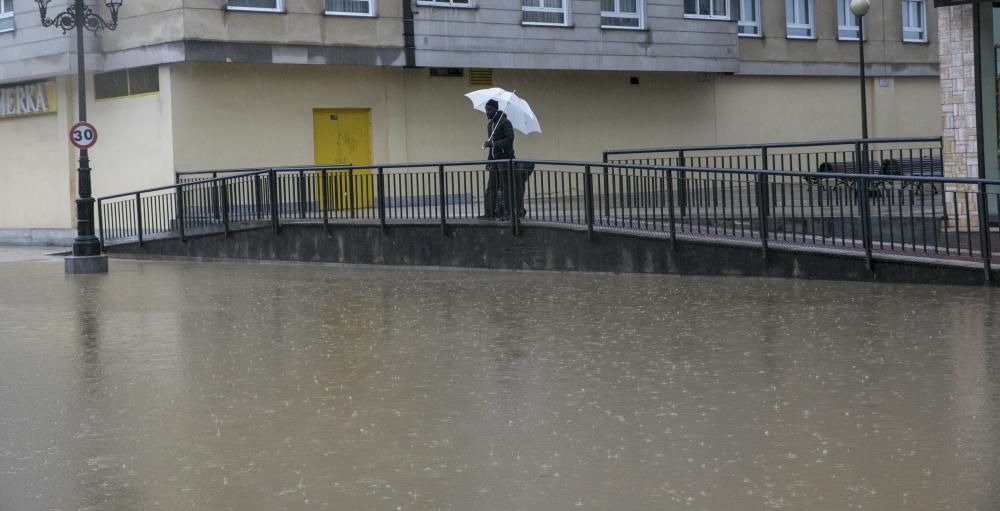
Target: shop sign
(27, 99)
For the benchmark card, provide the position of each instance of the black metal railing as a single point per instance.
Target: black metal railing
(921, 156)
(869, 214)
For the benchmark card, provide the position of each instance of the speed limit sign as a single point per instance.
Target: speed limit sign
(83, 135)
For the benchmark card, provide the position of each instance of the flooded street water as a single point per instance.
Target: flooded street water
(180, 385)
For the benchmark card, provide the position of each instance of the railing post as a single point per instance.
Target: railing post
(100, 223)
(857, 157)
(350, 190)
(866, 220)
(442, 196)
(381, 198)
(215, 196)
(670, 208)
(682, 185)
(762, 201)
(272, 178)
(984, 232)
(324, 199)
(588, 197)
(607, 196)
(509, 198)
(302, 194)
(225, 206)
(258, 197)
(180, 211)
(138, 216)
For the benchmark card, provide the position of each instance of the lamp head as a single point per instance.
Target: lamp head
(860, 7)
(42, 6)
(113, 6)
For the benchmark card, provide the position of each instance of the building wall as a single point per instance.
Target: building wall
(754, 109)
(38, 170)
(135, 142)
(32, 51)
(225, 115)
(243, 115)
(492, 36)
(885, 52)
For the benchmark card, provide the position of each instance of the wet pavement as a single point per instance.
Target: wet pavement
(180, 385)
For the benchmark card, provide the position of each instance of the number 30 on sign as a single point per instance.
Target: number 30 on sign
(83, 135)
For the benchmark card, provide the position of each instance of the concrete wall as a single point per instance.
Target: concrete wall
(545, 248)
(301, 23)
(38, 170)
(774, 109)
(225, 115)
(492, 36)
(32, 51)
(240, 115)
(885, 52)
(256, 115)
(135, 144)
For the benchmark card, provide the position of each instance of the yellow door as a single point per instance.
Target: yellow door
(343, 137)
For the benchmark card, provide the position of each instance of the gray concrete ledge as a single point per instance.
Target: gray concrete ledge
(540, 247)
(37, 237)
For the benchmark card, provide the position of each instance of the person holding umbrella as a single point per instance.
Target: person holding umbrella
(506, 112)
(500, 142)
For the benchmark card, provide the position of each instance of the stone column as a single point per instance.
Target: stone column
(958, 111)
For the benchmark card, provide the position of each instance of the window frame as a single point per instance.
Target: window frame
(923, 13)
(5, 15)
(127, 75)
(723, 17)
(755, 24)
(565, 10)
(844, 10)
(279, 6)
(450, 4)
(640, 14)
(369, 14)
(810, 25)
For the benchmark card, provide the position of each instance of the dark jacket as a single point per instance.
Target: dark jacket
(503, 137)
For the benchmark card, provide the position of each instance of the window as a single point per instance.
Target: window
(545, 12)
(749, 25)
(621, 14)
(799, 19)
(127, 82)
(6, 15)
(712, 9)
(915, 21)
(350, 7)
(446, 3)
(847, 22)
(255, 5)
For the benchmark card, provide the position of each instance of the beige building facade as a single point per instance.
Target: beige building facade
(205, 84)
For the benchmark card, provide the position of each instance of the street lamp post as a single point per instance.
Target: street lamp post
(87, 256)
(859, 8)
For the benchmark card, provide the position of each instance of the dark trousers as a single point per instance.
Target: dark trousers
(497, 198)
(496, 190)
(521, 176)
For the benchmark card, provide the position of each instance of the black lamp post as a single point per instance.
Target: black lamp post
(87, 256)
(859, 8)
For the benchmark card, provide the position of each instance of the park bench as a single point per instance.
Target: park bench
(919, 166)
(844, 167)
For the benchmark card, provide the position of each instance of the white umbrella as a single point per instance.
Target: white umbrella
(515, 108)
